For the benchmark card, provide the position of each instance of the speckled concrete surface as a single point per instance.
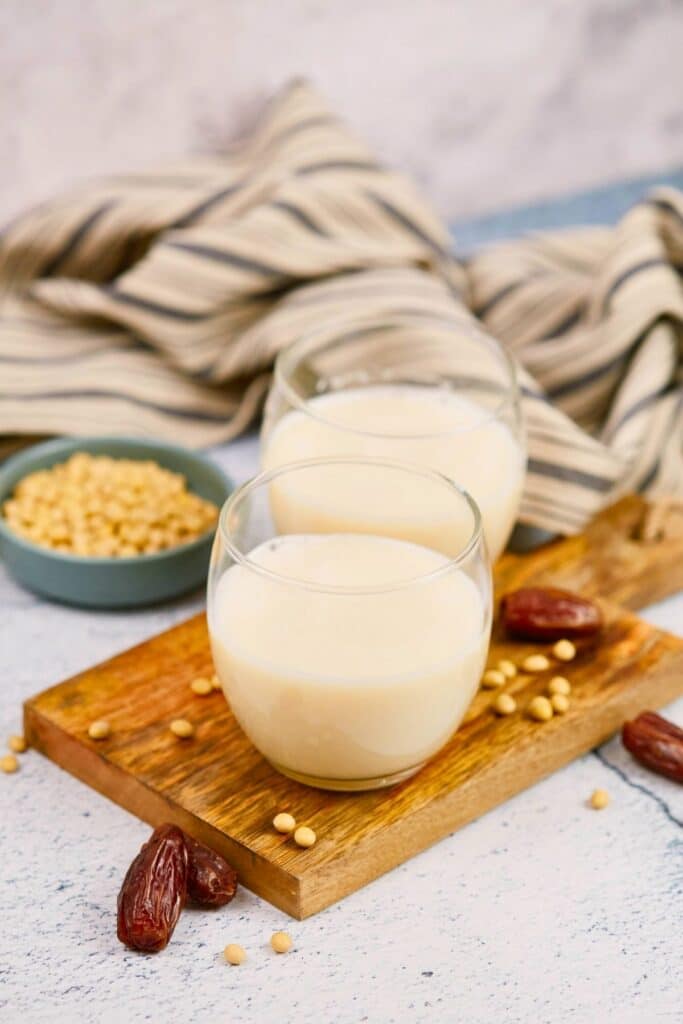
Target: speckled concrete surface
(542, 911)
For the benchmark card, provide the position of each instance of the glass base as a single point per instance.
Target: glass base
(349, 785)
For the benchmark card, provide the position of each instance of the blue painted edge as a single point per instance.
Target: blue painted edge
(604, 205)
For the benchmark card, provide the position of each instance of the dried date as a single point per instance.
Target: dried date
(211, 881)
(547, 613)
(656, 743)
(154, 891)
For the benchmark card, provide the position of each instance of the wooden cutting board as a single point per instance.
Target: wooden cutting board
(217, 787)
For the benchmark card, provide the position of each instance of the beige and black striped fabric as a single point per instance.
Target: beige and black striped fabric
(154, 304)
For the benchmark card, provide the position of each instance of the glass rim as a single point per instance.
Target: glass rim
(266, 476)
(283, 364)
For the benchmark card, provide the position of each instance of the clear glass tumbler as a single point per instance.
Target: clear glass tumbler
(421, 390)
(349, 643)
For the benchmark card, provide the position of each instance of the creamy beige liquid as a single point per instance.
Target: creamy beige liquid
(429, 426)
(348, 686)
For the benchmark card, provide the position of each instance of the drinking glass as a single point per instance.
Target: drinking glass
(349, 611)
(440, 394)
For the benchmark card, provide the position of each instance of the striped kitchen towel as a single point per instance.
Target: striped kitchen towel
(154, 304)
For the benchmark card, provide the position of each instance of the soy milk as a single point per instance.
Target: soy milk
(432, 427)
(344, 685)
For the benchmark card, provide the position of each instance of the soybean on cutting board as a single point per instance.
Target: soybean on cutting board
(217, 787)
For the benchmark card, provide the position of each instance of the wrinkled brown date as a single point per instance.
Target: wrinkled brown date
(211, 881)
(154, 891)
(656, 743)
(170, 867)
(547, 613)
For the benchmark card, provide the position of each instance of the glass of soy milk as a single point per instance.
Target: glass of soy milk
(349, 610)
(418, 389)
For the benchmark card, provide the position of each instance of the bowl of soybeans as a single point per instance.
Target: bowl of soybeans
(109, 522)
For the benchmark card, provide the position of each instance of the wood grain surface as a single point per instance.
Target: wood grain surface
(609, 559)
(219, 788)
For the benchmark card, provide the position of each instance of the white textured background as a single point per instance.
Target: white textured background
(486, 103)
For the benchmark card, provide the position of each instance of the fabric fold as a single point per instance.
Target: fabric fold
(155, 303)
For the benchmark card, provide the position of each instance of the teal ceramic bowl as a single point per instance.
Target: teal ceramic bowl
(111, 582)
